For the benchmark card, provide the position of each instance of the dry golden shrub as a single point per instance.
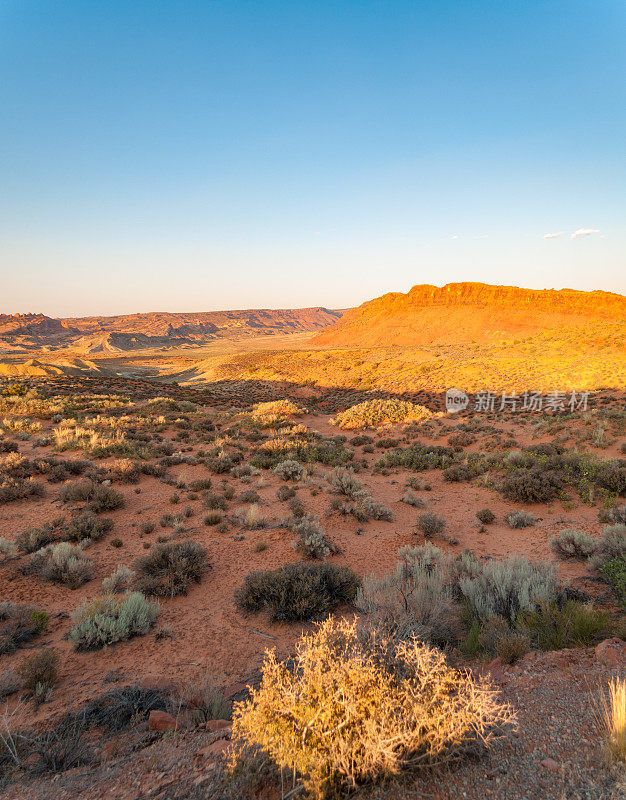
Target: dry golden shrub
(380, 412)
(356, 706)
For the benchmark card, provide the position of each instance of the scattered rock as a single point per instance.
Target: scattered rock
(551, 764)
(611, 652)
(162, 721)
(218, 724)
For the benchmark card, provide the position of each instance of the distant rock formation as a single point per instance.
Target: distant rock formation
(466, 312)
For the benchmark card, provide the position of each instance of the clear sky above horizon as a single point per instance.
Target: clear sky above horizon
(189, 156)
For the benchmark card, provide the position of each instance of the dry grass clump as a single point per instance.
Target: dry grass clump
(63, 563)
(356, 708)
(570, 543)
(297, 592)
(372, 413)
(613, 718)
(106, 620)
(251, 518)
(170, 568)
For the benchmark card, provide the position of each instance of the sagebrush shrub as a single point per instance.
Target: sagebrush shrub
(289, 470)
(63, 563)
(118, 581)
(531, 486)
(312, 541)
(504, 588)
(355, 708)
(612, 544)
(99, 498)
(413, 600)
(106, 620)
(486, 516)
(39, 673)
(520, 519)
(570, 543)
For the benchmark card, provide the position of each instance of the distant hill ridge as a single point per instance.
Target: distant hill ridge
(464, 312)
(156, 329)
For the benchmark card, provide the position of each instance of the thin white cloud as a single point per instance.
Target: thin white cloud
(584, 232)
(483, 236)
(553, 235)
(455, 236)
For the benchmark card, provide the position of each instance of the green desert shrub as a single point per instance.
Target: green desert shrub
(574, 544)
(297, 592)
(63, 563)
(19, 623)
(39, 673)
(486, 516)
(430, 524)
(614, 571)
(108, 619)
(98, 498)
(553, 625)
(170, 568)
(531, 486)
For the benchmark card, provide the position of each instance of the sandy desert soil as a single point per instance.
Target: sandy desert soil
(203, 633)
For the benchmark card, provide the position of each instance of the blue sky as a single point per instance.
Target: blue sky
(180, 155)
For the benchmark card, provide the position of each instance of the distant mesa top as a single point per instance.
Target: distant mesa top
(468, 312)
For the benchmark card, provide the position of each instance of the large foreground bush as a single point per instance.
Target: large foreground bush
(358, 707)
